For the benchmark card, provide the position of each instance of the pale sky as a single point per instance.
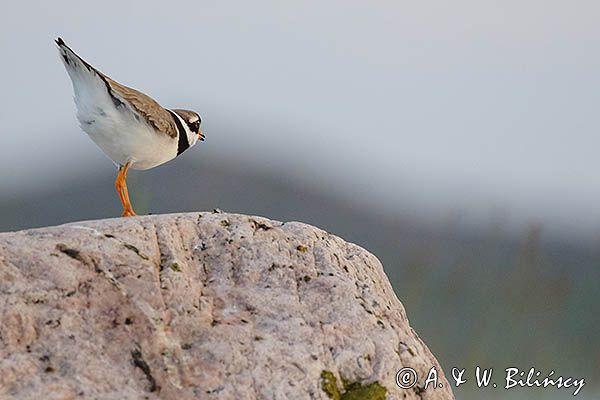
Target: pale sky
(448, 106)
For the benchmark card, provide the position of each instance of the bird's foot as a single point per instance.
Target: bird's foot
(128, 213)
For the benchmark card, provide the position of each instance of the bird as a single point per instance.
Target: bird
(130, 127)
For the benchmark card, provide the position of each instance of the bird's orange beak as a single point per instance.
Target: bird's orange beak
(201, 136)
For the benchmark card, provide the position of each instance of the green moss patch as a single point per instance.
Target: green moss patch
(352, 390)
(372, 391)
(329, 385)
(302, 248)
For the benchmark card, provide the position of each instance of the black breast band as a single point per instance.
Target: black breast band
(182, 140)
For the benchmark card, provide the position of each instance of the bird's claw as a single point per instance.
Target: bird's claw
(128, 213)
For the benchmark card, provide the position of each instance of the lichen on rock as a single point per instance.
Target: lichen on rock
(351, 390)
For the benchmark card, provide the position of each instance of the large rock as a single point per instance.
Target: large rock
(200, 305)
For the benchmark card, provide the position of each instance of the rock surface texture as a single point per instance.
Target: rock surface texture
(200, 306)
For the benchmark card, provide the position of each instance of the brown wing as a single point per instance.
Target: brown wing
(147, 107)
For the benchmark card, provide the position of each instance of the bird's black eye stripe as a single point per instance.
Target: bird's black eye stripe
(194, 126)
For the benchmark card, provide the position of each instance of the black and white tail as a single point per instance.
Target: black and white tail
(77, 67)
(71, 59)
(92, 92)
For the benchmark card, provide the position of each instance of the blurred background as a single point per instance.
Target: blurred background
(457, 141)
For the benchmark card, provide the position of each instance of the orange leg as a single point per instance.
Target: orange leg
(121, 186)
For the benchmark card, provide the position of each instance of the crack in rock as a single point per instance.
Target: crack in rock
(139, 362)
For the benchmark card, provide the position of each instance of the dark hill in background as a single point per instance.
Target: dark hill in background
(477, 298)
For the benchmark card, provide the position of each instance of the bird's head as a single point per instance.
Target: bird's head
(193, 121)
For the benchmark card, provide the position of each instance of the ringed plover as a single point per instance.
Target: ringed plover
(131, 128)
